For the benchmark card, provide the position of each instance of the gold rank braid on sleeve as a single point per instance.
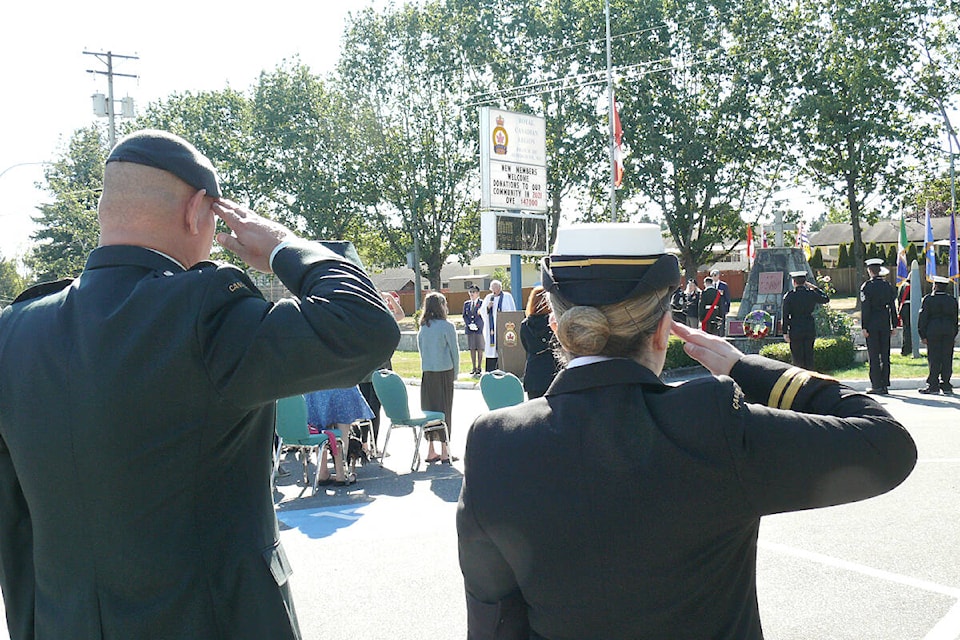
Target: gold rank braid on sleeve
(787, 387)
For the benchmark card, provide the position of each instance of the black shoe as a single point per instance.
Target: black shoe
(946, 387)
(880, 391)
(929, 390)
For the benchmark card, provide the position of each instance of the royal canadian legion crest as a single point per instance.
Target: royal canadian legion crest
(500, 138)
(510, 334)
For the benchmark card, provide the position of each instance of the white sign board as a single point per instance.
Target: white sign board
(513, 161)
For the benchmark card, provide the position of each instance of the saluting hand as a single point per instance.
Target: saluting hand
(713, 352)
(254, 237)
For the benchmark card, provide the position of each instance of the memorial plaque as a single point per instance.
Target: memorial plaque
(771, 282)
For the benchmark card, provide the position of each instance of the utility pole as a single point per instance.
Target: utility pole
(107, 58)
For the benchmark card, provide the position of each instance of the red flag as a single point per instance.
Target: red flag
(617, 148)
(751, 250)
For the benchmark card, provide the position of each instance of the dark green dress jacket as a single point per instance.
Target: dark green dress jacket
(136, 429)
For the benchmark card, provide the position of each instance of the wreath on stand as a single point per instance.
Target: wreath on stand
(757, 324)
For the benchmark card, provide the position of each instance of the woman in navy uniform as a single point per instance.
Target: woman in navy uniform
(878, 318)
(799, 327)
(659, 542)
(937, 326)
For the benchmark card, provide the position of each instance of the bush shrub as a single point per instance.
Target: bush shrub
(676, 356)
(829, 354)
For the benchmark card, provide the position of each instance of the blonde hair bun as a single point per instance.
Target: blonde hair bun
(583, 331)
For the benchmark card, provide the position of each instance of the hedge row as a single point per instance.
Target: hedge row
(829, 354)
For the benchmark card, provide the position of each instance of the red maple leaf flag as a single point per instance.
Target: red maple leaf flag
(617, 147)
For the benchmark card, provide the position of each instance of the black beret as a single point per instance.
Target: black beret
(608, 263)
(163, 150)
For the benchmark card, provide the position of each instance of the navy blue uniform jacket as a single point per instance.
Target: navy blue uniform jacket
(798, 306)
(658, 541)
(136, 429)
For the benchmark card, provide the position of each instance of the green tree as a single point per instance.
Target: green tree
(853, 131)
(308, 170)
(405, 83)
(891, 257)
(706, 112)
(11, 282)
(816, 260)
(67, 227)
(218, 124)
(843, 256)
(912, 254)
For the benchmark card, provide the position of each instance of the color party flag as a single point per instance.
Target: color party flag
(751, 249)
(617, 148)
(803, 240)
(929, 250)
(903, 270)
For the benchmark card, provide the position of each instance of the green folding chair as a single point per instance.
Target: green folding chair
(292, 431)
(501, 389)
(393, 397)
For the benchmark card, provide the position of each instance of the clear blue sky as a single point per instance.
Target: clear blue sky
(196, 45)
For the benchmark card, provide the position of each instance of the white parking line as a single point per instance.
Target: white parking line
(949, 626)
(916, 583)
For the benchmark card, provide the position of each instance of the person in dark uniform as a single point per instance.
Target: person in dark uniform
(878, 318)
(473, 328)
(660, 542)
(710, 308)
(903, 313)
(137, 410)
(724, 290)
(537, 339)
(937, 326)
(799, 328)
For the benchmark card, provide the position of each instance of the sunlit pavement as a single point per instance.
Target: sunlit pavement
(378, 560)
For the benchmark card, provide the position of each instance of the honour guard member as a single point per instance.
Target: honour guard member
(799, 328)
(937, 326)
(686, 471)
(878, 318)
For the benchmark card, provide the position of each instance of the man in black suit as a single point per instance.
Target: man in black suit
(137, 407)
(660, 541)
(937, 326)
(878, 318)
(799, 327)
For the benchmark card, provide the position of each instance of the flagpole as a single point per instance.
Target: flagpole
(613, 160)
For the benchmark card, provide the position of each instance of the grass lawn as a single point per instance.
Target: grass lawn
(900, 367)
(407, 364)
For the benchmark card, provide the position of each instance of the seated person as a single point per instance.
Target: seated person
(336, 409)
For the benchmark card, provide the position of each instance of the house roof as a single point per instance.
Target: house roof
(883, 232)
